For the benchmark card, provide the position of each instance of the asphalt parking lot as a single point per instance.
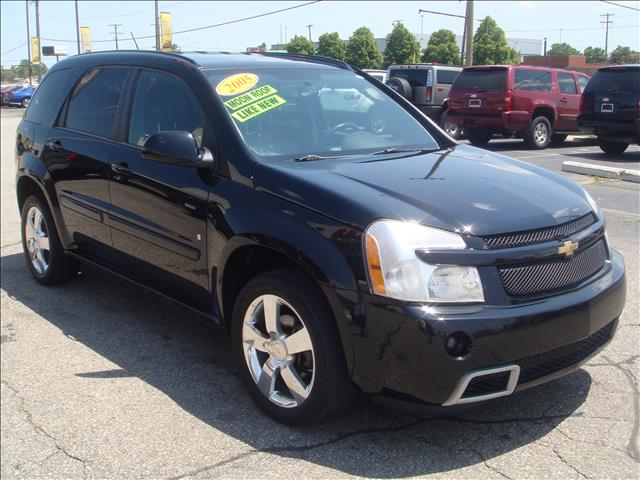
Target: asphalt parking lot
(101, 379)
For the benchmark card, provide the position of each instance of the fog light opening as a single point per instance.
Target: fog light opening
(457, 344)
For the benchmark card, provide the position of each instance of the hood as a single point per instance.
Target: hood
(460, 189)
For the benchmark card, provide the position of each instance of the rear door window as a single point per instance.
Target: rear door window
(582, 80)
(94, 102)
(48, 98)
(481, 79)
(618, 80)
(567, 84)
(532, 80)
(446, 76)
(417, 77)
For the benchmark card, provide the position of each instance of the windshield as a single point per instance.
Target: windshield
(481, 79)
(295, 112)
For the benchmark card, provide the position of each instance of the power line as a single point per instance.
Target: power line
(569, 29)
(140, 12)
(622, 6)
(201, 28)
(115, 32)
(14, 49)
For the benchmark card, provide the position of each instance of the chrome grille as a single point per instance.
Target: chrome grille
(548, 277)
(541, 235)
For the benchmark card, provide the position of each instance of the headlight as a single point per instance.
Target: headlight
(395, 271)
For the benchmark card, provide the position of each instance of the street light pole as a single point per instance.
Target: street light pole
(469, 34)
(38, 35)
(26, 2)
(77, 27)
(309, 27)
(157, 23)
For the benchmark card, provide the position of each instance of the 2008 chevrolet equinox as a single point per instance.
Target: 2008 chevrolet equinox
(342, 239)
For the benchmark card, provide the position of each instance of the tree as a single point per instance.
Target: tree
(442, 48)
(562, 49)
(362, 49)
(624, 55)
(330, 45)
(490, 45)
(22, 70)
(263, 45)
(301, 45)
(402, 46)
(595, 55)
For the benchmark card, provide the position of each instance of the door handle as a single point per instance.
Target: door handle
(121, 168)
(54, 145)
(563, 100)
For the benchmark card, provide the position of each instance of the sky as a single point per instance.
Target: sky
(574, 22)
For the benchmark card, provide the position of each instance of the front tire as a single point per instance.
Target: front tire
(43, 251)
(286, 341)
(538, 134)
(612, 147)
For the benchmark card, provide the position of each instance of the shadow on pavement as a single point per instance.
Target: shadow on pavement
(169, 348)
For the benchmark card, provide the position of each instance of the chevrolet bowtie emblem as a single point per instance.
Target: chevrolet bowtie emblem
(568, 248)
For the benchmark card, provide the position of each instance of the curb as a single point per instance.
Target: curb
(602, 171)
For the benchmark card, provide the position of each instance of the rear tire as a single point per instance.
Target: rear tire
(612, 147)
(264, 348)
(453, 130)
(538, 135)
(41, 244)
(479, 138)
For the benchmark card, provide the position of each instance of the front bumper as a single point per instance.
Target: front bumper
(410, 354)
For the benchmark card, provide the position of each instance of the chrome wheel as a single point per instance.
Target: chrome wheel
(540, 133)
(452, 129)
(37, 240)
(278, 351)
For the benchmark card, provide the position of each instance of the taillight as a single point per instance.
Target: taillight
(429, 91)
(508, 100)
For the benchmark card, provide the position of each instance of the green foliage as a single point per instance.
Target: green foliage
(173, 46)
(442, 48)
(490, 45)
(594, 54)
(330, 45)
(21, 71)
(301, 45)
(8, 75)
(624, 55)
(362, 49)
(263, 45)
(562, 49)
(402, 46)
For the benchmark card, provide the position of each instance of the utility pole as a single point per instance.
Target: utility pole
(421, 24)
(77, 27)
(26, 2)
(157, 24)
(115, 32)
(309, 27)
(606, 35)
(545, 46)
(38, 35)
(469, 34)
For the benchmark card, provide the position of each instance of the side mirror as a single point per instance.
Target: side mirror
(176, 148)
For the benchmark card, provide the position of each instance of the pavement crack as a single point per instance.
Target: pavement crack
(38, 428)
(11, 244)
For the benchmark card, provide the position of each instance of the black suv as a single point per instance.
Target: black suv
(344, 241)
(610, 107)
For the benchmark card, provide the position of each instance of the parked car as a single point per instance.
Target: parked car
(427, 86)
(20, 97)
(380, 75)
(538, 104)
(9, 89)
(610, 107)
(339, 253)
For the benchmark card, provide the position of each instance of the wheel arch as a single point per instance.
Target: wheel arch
(546, 111)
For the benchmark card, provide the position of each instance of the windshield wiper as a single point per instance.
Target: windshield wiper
(312, 158)
(405, 150)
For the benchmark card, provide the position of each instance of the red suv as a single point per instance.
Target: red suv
(537, 104)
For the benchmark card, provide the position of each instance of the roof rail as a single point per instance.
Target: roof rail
(306, 58)
(154, 52)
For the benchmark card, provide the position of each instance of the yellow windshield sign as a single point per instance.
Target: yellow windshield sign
(237, 83)
(258, 108)
(250, 97)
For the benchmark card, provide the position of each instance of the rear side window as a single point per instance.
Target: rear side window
(582, 80)
(417, 77)
(446, 76)
(481, 79)
(567, 83)
(532, 80)
(618, 80)
(164, 103)
(48, 98)
(94, 102)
